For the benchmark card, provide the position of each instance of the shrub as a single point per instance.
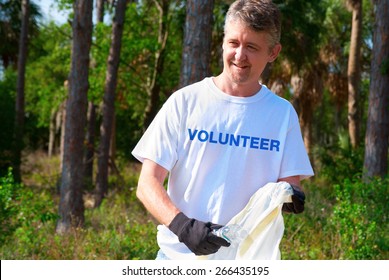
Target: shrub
(359, 221)
(119, 229)
(7, 116)
(337, 163)
(21, 210)
(8, 209)
(342, 221)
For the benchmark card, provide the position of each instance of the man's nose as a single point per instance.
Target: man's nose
(240, 53)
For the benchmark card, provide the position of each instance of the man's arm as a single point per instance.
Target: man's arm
(196, 235)
(152, 193)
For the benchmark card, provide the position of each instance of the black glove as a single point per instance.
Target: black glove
(197, 235)
(297, 204)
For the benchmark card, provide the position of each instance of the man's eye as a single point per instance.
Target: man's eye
(252, 48)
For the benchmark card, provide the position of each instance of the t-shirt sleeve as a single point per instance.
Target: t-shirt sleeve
(159, 142)
(295, 159)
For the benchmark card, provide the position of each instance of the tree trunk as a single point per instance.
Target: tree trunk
(154, 86)
(52, 130)
(109, 102)
(300, 104)
(91, 120)
(19, 106)
(90, 144)
(307, 91)
(196, 55)
(55, 129)
(63, 124)
(100, 10)
(354, 73)
(377, 131)
(112, 147)
(71, 207)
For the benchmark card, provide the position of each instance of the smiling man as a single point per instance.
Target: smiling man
(222, 139)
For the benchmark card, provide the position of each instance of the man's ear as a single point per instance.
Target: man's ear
(274, 52)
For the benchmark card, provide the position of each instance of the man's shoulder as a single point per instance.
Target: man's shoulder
(192, 90)
(196, 85)
(275, 98)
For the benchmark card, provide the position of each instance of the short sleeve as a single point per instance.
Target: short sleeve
(159, 142)
(295, 159)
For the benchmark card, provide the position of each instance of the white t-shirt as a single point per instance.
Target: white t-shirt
(220, 149)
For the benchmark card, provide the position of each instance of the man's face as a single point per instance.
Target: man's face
(246, 53)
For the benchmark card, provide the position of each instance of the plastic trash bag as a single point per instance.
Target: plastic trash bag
(262, 220)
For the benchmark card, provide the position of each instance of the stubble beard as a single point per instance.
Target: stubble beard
(238, 75)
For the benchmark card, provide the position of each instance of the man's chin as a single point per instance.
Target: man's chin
(239, 78)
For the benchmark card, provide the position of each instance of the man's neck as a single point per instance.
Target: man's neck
(236, 89)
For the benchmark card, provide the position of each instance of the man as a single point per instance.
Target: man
(222, 139)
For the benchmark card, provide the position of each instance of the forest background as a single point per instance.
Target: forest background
(67, 184)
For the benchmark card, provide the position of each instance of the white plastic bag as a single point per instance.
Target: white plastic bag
(262, 220)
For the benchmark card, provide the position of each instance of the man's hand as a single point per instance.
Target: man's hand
(197, 235)
(297, 204)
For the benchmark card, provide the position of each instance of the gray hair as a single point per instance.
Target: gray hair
(260, 15)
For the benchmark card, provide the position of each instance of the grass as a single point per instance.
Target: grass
(345, 221)
(120, 229)
(340, 221)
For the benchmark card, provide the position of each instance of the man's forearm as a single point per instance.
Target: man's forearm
(153, 195)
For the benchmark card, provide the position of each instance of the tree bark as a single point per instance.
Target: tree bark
(71, 207)
(55, 130)
(109, 102)
(377, 131)
(20, 99)
(354, 73)
(196, 55)
(100, 10)
(63, 124)
(307, 92)
(303, 108)
(92, 119)
(90, 144)
(52, 130)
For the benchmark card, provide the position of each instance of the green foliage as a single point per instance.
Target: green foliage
(21, 210)
(359, 221)
(8, 193)
(10, 26)
(112, 232)
(137, 64)
(219, 12)
(7, 113)
(47, 72)
(302, 23)
(347, 221)
(119, 229)
(99, 55)
(339, 162)
(305, 236)
(137, 58)
(140, 43)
